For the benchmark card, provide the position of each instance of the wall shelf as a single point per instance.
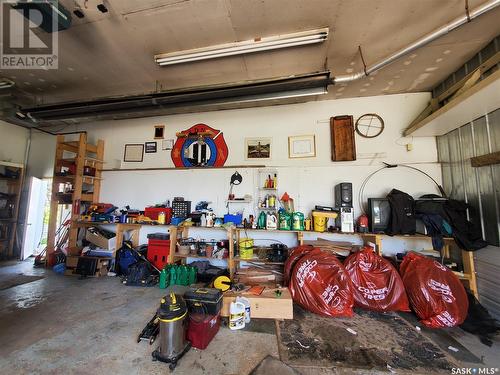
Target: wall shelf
(8, 226)
(83, 152)
(182, 168)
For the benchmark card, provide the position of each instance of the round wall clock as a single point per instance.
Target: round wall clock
(369, 125)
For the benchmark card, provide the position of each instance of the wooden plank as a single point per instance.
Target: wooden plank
(231, 263)
(476, 75)
(342, 138)
(265, 306)
(173, 244)
(484, 160)
(484, 67)
(470, 271)
(183, 168)
(456, 102)
(98, 173)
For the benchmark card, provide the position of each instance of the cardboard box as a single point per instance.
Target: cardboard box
(265, 306)
(101, 241)
(71, 261)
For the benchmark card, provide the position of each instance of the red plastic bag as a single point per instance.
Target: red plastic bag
(293, 257)
(320, 284)
(376, 283)
(435, 292)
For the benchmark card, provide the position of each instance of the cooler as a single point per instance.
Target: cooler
(202, 329)
(204, 300)
(158, 249)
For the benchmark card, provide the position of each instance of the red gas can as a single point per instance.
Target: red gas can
(202, 329)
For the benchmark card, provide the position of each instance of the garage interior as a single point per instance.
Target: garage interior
(250, 187)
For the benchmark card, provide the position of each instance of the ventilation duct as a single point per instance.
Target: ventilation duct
(426, 39)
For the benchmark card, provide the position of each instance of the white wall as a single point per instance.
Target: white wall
(309, 181)
(13, 140)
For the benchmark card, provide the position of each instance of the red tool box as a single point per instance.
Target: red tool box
(152, 213)
(158, 249)
(202, 329)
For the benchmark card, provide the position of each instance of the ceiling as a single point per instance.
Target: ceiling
(112, 54)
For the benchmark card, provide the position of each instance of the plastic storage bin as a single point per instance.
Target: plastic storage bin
(152, 213)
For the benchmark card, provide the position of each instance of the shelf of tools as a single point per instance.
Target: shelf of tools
(11, 182)
(76, 181)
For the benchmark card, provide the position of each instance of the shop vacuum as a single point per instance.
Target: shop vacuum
(172, 319)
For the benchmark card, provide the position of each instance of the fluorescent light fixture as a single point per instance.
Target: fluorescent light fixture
(240, 48)
(278, 95)
(6, 83)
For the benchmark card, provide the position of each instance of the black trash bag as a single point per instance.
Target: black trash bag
(479, 322)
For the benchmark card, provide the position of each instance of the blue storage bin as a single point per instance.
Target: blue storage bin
(235, 219)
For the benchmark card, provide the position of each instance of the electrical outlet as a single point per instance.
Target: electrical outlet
(409, 147)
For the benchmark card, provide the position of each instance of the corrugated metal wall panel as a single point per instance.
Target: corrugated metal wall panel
(486, 190)
(470, 176)
(444, 159)
(494, 122)
(487, 263)
(457, 188)
(481, 188)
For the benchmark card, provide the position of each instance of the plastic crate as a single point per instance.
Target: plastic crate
(181, 208)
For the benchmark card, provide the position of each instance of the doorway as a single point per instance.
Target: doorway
(36, 220)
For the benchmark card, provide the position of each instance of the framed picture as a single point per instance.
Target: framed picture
(159, 130)
(302, 146)
(133, 152)
(150, 147)
(167, 144)
(257, 148)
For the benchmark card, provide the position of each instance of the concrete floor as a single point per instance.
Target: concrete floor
(63, 325)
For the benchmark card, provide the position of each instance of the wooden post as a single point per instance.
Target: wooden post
(77, 191)
(470, 271)
(230, 233)
(300, 238)
(376, 239)
(173, 243)
(98, 165)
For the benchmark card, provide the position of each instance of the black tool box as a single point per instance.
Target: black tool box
(204, 300)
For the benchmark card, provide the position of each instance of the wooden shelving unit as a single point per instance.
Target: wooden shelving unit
(10, 211)
(77, 154)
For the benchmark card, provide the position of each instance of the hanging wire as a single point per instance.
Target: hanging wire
(388, 166)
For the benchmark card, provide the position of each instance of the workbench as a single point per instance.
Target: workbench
(468, 276)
